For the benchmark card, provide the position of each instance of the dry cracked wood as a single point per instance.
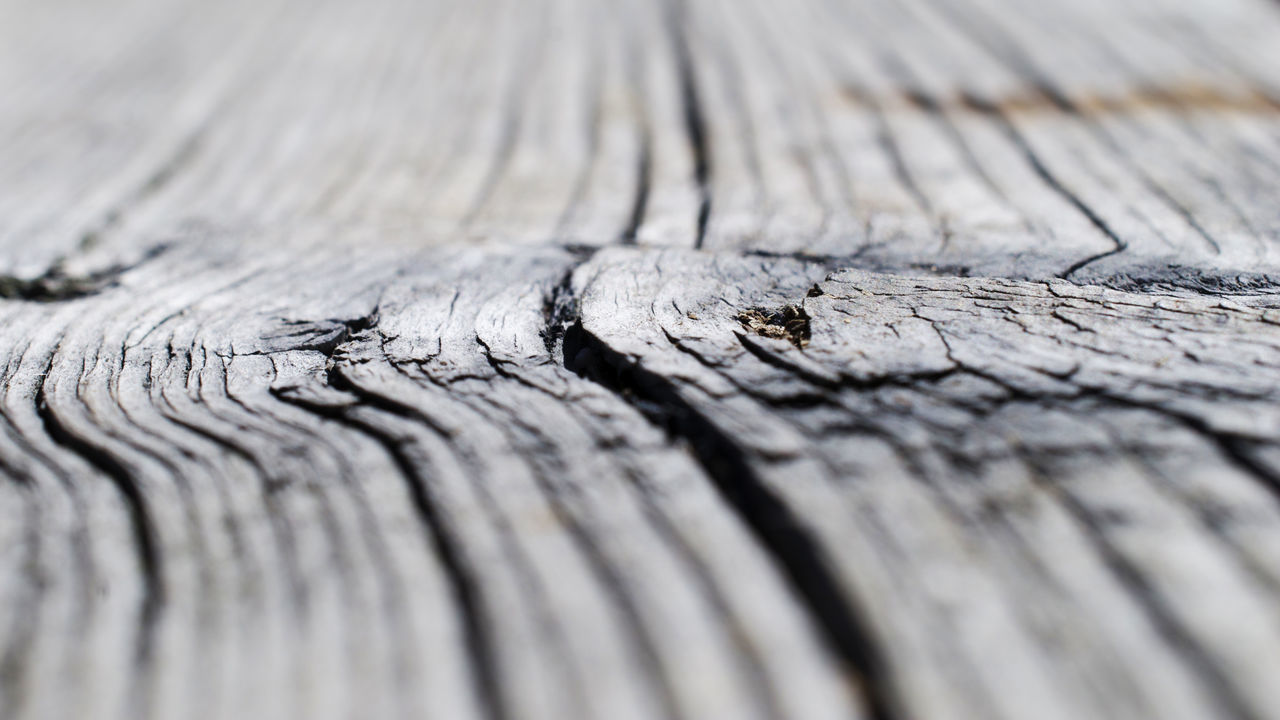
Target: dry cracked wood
(700, 359)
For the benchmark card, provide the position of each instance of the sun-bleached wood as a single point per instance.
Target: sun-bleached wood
(703, 359)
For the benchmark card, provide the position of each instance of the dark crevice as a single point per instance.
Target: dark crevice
(695, 124)
(794, 549)
(560, 308)
(1240, 452)
(1169, 278)
(1236, 449)
(993, 111)
(479, 644)
(906, 380)
(272, 482)
(1048, 96)
(1064, 104)
(1176, 278)
(560, 337)
(831, 261)
(324, 336)
(144, 533)
(730, 466)
(644, 182)
(774, 360)
(1181, 209)
(56, 286)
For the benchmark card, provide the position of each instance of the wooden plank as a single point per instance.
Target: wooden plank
(695, 359)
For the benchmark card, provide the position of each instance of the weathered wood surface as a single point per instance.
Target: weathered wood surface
(512, 360)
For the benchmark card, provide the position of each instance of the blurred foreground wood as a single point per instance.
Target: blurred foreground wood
(703, 359)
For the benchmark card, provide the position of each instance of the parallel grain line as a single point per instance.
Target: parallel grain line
(796, 552)
(644, 183)
(144, 535)
(695, 124)
(986, 108)
(1131, 577)
(479, 645)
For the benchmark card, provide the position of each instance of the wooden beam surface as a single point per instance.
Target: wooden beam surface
(700, 359)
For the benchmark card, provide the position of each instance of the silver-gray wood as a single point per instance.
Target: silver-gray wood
(701, 359)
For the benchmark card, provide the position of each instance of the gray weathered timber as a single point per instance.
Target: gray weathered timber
(699, 359)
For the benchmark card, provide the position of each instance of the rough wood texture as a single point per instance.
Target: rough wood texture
(703, 359)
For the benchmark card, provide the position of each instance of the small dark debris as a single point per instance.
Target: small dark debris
(790, 323)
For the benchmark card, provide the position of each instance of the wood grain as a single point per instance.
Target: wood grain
(883, 359)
